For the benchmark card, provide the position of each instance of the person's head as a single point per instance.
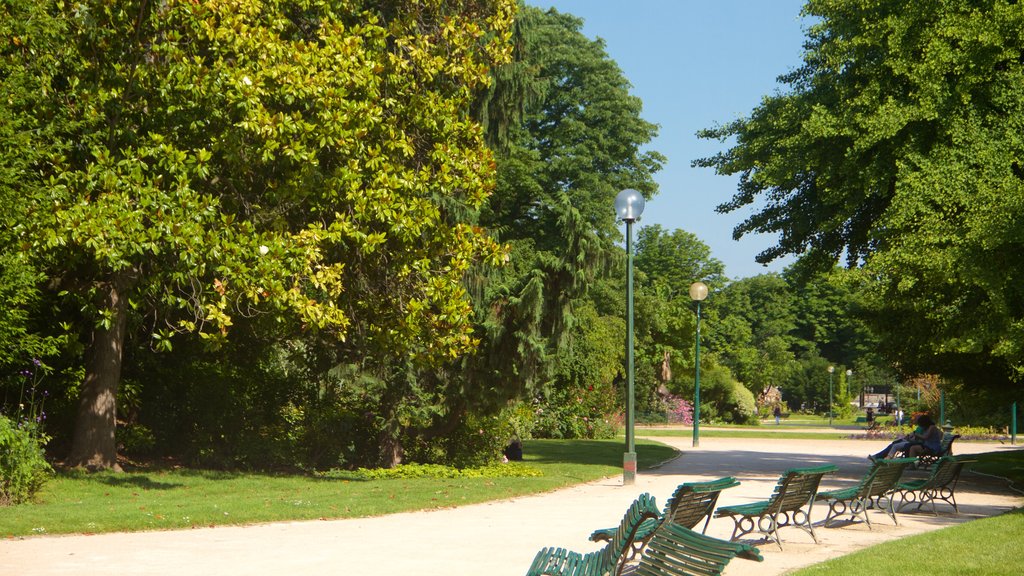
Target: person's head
(925, 421)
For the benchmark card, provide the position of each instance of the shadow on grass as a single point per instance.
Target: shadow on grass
(142, 481)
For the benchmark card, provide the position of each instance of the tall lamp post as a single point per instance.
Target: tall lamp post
(831, 369)
(698, 292)
(629, 205)
(849, 382)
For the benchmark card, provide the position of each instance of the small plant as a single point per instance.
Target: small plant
(680, 410)
(435, 471)
(23, 466)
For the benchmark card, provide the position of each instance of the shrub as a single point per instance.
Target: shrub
(507, 470)
(23, 466)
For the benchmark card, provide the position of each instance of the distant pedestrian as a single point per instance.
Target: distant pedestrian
(778, 414)
(899, 416)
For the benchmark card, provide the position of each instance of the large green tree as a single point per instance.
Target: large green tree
(579, 142)
(754, 332)
(898, 146)
(198, 162)
(667, 263)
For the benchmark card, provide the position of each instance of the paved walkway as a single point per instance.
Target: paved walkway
(501, 538)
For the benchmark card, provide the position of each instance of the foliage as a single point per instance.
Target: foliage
(667, 263)
(897, 147)
(496, 470)
(725, 399)
(573, 138)
(23, 466)
(579, 412)
(680, 410)
(313, 162)
(755, 336)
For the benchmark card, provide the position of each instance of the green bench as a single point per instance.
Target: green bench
(675, 550)
(925, 460)
(609, 560)
(690, 503)
(879, 483)
(794, 492)
(939, 485)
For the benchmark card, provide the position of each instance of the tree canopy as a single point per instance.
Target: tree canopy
(191, 163)
(897, 147)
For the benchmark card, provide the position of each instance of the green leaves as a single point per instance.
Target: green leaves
(898, 146)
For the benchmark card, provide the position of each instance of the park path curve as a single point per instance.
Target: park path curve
(500, 538)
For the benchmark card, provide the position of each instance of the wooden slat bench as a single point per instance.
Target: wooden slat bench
(877, 484)
(939, 485)
(690, 503)
(794, 492)
(609, 560)
(675, 550)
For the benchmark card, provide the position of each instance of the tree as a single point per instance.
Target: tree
(559, 169)
(755, 336)
(202, 161)
(897, 146)
(667, 263)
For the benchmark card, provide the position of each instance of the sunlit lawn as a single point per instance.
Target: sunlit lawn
(986, 547)
(76, 502)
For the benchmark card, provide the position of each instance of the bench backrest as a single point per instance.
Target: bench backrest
(947, 443)
(641, 509)
(946, 472)
(676, 550)
(797, 487)
(693, 501)
(883, 476)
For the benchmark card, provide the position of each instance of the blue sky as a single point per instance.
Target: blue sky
(695, 64)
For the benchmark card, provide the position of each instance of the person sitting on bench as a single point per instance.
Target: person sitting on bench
(926, 436)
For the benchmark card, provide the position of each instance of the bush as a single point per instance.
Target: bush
(404, 471)
(582, 412)
(23, 466)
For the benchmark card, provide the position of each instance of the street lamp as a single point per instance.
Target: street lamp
(629, 205)
(698, 292)
(849, 382)
(831, 369)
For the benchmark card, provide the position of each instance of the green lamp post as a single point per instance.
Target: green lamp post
(831, 369)
(629, 205)
(698, 292)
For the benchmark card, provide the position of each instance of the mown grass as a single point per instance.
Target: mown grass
(77, 502)
(989, 546)
(750, 433)
(986, 547)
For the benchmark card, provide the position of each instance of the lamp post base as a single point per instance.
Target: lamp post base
(629, 468)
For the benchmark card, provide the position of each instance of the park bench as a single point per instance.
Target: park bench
(878, 483)
(926, 459)
(611, 559)
(939, 485)
(794, 491)
(690, 503)
(675, 550)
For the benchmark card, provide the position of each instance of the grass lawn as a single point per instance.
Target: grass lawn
(990, 546)
(986, 547)
(76, 502)
(750, 433)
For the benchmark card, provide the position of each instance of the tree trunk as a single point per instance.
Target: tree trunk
(391, 451)
(93, 445)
